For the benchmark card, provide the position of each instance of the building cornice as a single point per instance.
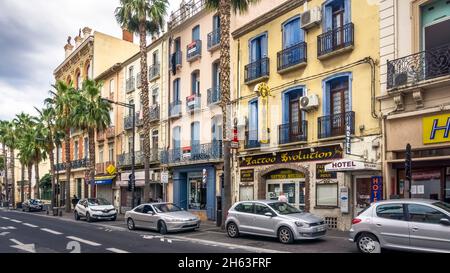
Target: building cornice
(88, 40)
(113, 69)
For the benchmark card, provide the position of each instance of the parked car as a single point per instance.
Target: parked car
(274, 219)
(162, 217)
(404, 224)
(95, 209)
(32, 205)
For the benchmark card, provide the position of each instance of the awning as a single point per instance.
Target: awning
(104, 180)
(348, 165)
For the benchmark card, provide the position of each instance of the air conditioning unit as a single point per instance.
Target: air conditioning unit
(309, 102)
(311, 18)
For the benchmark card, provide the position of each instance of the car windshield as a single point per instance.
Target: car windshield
(98, 202)
(34, 202)
(443, 205)
(284, 208)
(163, 208)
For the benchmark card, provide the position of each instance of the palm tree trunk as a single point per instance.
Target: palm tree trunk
(13, 186)
(30, 176)
(36, 175)
(91, 160)
(68, 170)
(5, 156)
(225, 17)
(22, 190)
(52, 170)
(145, 100)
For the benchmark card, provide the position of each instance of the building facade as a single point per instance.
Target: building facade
(306, 110)
(415, 78)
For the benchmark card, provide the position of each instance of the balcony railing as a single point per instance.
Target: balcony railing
(214, 39)
(194, 50)
(257, 70)
(128, 122)
(176, 59)
(101, 136)
(138, 80)
(336, 125)
(293, 132)
(213, 95)
(175, 109)
(292, 57)
(130, 84)
(185, 12)
(199, 152)
(154, 155)
(154, 72)
(154, 113)
(335, 40)
(111, 132)
(125, 159)
(100, 168)
(422, 66)
(251, 139)
(193, 103)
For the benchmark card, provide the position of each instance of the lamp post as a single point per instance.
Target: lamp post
(133, 156)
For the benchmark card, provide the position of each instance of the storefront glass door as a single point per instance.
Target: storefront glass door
(293, 190)
(362, 194)
(197, 192)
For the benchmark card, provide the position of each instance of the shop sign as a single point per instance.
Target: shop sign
(351, 165)
(192, 47)
(348, 139)
(322, 174)
(165, 177)
(376, 189)
(343, 197)
(296, 156)
(104, 180)
(248, 175)
(235, 142)
(436, 129)
(285, 174)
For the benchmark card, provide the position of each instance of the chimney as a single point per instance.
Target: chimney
(127, 36)
(87, 32)
(78, 41)
(68, 47)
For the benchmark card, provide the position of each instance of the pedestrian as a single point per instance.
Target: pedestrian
(74, 201)
(282, 198)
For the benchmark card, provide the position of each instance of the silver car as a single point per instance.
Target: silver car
(404, 224)
(163, 217)
(274, 219)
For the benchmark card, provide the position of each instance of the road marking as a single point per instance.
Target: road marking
(4, 233)
(6, 218)
(51, 231)
(115, 250)
(25, 247)
(29, 225)
(169, 241)
(83, 241)
(16, 221)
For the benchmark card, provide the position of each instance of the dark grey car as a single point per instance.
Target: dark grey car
(32, 205)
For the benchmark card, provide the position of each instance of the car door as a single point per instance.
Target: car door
(82, 207)
(425, 229)
(263, 224)
(137, 216)
(245, 214)
(148, 217)
(390, 225)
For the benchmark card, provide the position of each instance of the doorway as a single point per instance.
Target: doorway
(362, 194)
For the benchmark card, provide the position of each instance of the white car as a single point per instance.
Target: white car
(95, 209)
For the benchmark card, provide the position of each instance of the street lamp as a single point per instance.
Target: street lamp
(133, 158)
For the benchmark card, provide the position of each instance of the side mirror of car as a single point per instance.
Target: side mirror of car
(269, 214)
(445, 222)
(151, 212)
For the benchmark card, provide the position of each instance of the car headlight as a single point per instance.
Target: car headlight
(301, 224)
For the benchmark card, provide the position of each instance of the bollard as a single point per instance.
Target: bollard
(60, 213)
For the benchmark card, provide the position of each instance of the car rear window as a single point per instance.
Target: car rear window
(391, 211)
(245, 207)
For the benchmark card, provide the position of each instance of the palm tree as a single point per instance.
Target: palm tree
(24, 130)
(10, 141)
(90, 114)
(3, 139)
(143, 17)
(63, 100)
(224, 8)
(39, 149)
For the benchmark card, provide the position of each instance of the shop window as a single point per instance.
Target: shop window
(391, 211)
(197, 198)
(327, 195)
(424, 214)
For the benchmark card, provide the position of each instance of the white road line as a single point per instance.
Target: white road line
(83, 241)
(29, 225)
(51, 231)
(16, 221)
(6, 218)
(16, 242)
(115, 250)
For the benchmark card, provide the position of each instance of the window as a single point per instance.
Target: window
(176, 90)
(155, 57)
(216, 128)
(155, 137)
(75, 150)
(216, 22)
(424, 214)
(195, 83)
(130, 111)
(176, 138)
(79, 80)
(59, 153)
(435, 20)
(262, 209)
(258, 48)
(177, 44)
(292, 128)
(88, 72)
(391, 211)
(245, 207)
(100, 154)
(141, 142)
(293, 34)
(336, 14)
(139, 209)
(253, 122)
(155, 97)
(147, 209)
(111, 152)
(130, 72)
(195, 135)
(196, 33)
(111, 117)
(216, 76)
(112, 86)
(327, 195)
(86, 147)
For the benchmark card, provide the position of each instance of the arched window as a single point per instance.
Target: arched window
(79, 80)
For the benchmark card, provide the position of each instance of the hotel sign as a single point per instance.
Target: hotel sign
(296, 156)
(436, 129)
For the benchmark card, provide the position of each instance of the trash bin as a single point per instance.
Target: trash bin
(55, 211)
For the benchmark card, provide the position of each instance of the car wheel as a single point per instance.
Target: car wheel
(232, 230)
(285, 235)
(88, 217)
(77, 217)
(23, 209)
(130, 224)
(368, 243)
(29, 209)
(162, 227)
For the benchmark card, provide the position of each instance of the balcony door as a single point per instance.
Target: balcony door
(295, 118)
(338, 23)
(253, 124)
(258, 51)
(339, 106)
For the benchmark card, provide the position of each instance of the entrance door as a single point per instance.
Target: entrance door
(292, 189)
(295, 120)
(362, 194)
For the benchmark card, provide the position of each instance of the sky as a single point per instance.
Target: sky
(32, 38)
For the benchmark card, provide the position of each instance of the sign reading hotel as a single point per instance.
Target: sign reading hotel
(304, 155)
(376, 189)
(436, 129)
(351, 165)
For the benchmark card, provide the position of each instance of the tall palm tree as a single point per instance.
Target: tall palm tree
(24, 127)
(10, 141)
(3, 139)
(90, 114)
(39, 149)
(224, 7)
(63, 99)
(143, 17)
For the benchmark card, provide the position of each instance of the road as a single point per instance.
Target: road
(35, 232)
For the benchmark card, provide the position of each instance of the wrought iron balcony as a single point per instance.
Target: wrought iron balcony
(193, 103)
(175, 109)
(111, 132)
(336, 125)
(154, 155)
(186, 11)
(194, 51)
(125, 159)
(258, 70)
(130, 83)
(293, 132)
(251, 139)
(138, 81)
(154, 113)
(60, 167)
(176, 59)
(214, 39)
(335, 40)
(292, 57)
(128, 122)
(214, 95)
(199, 152)
(419, 67)
(154, 72)
(81, 163)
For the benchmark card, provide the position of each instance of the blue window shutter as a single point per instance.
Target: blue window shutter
(253, 49)
(264, 46)
(253, 119)
(211, 193)
(328, 17)
(347, 14)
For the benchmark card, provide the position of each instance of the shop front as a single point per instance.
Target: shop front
(104, 185)
(126, 197)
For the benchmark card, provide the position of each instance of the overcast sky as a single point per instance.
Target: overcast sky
(32, 39)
